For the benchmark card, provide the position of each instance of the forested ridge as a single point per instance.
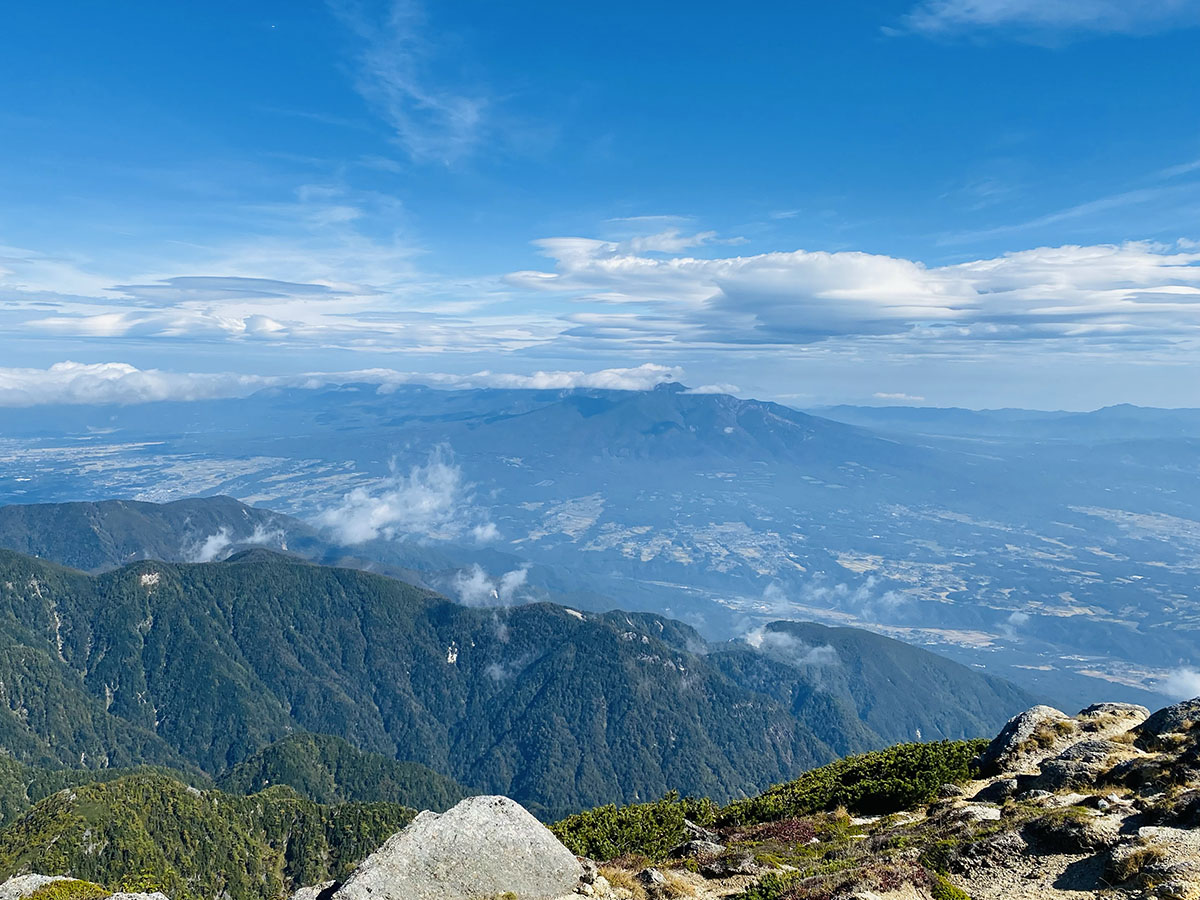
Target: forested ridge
(200, 666)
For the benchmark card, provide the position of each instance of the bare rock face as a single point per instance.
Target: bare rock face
(1077, 766)
(1179, 719)
(1133, 711)
(1026, 734)
(483, 848)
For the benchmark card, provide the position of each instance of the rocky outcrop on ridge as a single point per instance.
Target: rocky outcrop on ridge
(1105, 803)
(483, 848)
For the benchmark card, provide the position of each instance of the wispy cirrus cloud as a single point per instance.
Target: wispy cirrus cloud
(403, 73)
(1040, 19)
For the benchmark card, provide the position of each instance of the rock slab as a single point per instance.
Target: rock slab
(481, 849)
(1015, 741)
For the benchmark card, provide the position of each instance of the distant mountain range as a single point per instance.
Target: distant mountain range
(1056, 549)
(200, 666)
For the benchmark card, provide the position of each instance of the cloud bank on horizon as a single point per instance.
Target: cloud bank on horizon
(72, 383)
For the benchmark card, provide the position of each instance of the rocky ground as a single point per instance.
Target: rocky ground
(1102, 804)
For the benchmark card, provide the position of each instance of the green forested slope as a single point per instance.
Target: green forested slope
(327, 769)
(94, 536)
(870, 689)
(194, 844)
(208, 663)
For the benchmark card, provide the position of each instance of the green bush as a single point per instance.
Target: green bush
(70, 889)
(650, 829)
(941, 889)
(884, 781)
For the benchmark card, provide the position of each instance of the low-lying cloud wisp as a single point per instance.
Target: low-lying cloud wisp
(429, 501)
(475, 587)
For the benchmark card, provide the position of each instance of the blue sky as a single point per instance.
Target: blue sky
(969, 202)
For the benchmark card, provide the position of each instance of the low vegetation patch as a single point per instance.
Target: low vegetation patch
(899, 777)
(70, 889)
(649, 829)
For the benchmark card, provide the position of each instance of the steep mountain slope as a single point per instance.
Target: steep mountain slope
(110, 533)
(556, 708)
(327, 769)
(106, 534)
(875, 678)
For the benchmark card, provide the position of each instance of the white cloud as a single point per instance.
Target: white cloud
(939, 17)
(101, 383)
(402, 73)
(898, 397)
(120, 383)
(1181, 684)
(474, 587)
(220, 543)
(1098, 293)
(790, 649)
(429, 501)
(213, 547)
(863, 599)
(714, 389)
(485, 533)
(637, 378)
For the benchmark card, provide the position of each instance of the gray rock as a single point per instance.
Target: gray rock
(1057, 834)
(591, 871)
(974, 812)
(949, 791)
(699, 833)
(316, 892)
(997, 791)
(23, 885)
(1114, 711)
(1025, 733)
(651, 878)
(694, 849)
(731, 864)
(1080, 765)
(482, 848)
(1171, 720)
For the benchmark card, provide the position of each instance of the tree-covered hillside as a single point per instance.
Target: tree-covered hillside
(868, 683)
(206, 664)
(111, 533)
(327, 769)
(193, 843)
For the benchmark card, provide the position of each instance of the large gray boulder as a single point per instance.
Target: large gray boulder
(481, 849)
(1030, 733)
(1177, 719)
